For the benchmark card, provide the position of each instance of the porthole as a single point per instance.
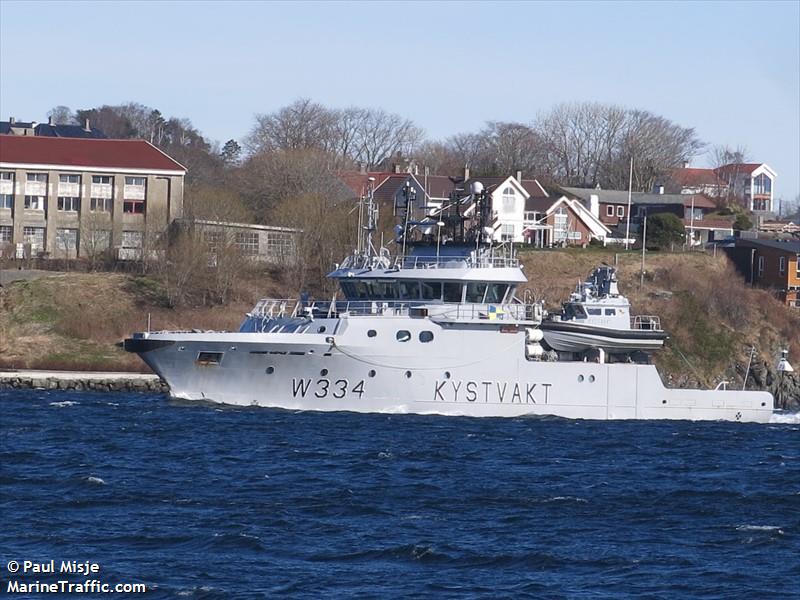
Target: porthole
(425, 336)
(591, 378)
(270, 370)
(408, 374)
(321, 329)
(580, 378)
(663, 402)
(447, 374)
(403, 335)
(371, 373)
(323, 372)
(372, 333)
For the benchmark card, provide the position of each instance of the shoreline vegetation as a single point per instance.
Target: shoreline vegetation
(72, 321)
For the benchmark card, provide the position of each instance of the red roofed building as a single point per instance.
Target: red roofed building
(74, 197)
(749, 183)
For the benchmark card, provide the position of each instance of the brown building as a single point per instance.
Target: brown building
(773, 264)
(73, 197)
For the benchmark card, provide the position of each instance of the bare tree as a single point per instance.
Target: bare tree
(62, 115)
(589, 144)
(304, 124)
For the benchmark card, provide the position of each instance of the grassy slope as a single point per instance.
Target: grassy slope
(73, 321)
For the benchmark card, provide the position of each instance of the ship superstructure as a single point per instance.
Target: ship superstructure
(436, 328)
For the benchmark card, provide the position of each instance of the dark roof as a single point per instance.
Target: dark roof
(87, 153)
(792, 247)
(438, 186)
(540, 203)
(739, 168)
(386, 190)
(47, 130)
(621, 197)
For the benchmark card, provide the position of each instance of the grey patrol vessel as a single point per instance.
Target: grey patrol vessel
(435, 329)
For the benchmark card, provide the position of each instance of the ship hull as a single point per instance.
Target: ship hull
(489, 377)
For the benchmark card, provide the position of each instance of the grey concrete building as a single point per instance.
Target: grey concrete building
(77, 198)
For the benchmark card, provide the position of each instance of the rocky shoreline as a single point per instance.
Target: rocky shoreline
(95, 381)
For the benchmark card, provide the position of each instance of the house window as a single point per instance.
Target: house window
(7, 201)
(67, 240)
(760, 203)
(575, 235)
(247, 242)
(620, 211)
(35, 237)
(610, 210)
(782, 265)
(213, 239)
(5, 233)
(135, 207)
(34, 202)
(797, 265)
(561, 225)
(760, 265)
(762, 184)
(135, 181)
(6, 176)
(101, 204)
(96, 240)
(69, 204)
(69, 178)
(278, 243)
(131, 239)
(509, 200)
(37, 177)
(507, 233)
(101, 179)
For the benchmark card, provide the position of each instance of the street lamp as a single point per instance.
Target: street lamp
(439, 226)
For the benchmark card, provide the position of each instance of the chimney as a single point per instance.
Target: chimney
(50, 121)
(466, 173)
(594, 205)
(658, 188)
(519, 176)
(86, 125)
(397, 168)
(12, 120)
(362, 168)
(686, 164)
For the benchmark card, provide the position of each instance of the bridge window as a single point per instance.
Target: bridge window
(432, 290)
(425, 336)
(496, 292)
(403, 335)
(408, 290)
(452, 292)
(610, 312)
(475, 292)
(595, 311)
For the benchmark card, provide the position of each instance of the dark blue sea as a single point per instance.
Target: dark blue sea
(199, 501)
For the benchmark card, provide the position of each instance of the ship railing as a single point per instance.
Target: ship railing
(269, 308)
(429, 262)
(646, 322)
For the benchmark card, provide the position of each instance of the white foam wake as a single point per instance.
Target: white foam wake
(790, 418)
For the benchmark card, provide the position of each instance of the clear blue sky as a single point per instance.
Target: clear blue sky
(729, 69)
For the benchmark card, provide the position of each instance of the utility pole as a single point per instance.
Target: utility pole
(644, 248)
